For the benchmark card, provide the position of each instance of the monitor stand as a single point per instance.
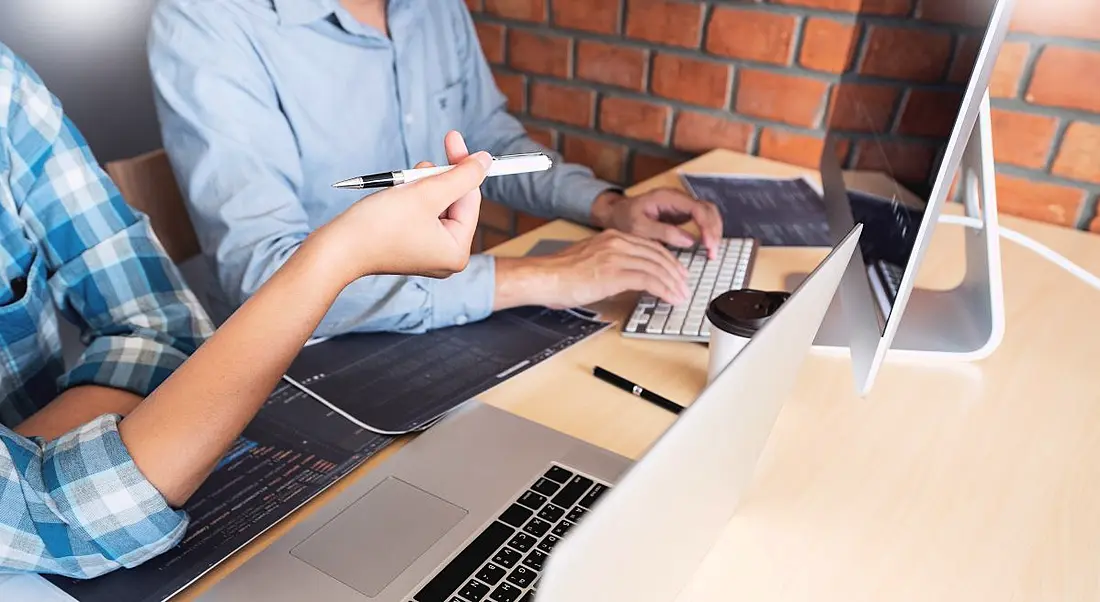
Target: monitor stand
(966, 323)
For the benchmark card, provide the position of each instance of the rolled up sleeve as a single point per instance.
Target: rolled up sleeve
(106, 271)
(78, 506)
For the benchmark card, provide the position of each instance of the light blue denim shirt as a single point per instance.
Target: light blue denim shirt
(264, 104)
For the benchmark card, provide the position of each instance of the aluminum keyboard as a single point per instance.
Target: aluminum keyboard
(656, 319)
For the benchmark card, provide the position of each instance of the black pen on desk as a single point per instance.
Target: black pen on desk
(638, 390)
(506, 165)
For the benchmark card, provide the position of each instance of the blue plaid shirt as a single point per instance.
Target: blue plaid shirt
(70, 246)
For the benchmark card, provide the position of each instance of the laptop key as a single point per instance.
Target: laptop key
(522, 542)
(456, 599)
(521, 577)
(558, 474)
(535, 559)
(528, 597)
(532, 500)
(573, 491)
(551, 513)
(463, 566)
(593, 495)
(507, 558)
(545, 487)
(491, 573)
(575, 514)
(562, 528)
(516, 515)
(474, 591)
(505, 593)
(547, 544)
(537, 527)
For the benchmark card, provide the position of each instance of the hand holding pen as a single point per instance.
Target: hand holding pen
(506, 165)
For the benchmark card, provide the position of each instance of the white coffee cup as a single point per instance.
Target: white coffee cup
(734, 317)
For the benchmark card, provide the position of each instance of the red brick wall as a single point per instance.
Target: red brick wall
(633, 87)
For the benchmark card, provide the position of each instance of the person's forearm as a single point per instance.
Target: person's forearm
(183, 428)
(75, 407)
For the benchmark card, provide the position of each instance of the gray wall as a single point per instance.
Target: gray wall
(91, 53)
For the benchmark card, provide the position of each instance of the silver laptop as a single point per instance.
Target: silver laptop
(489, 506)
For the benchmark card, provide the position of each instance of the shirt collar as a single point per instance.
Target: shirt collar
(302, 12)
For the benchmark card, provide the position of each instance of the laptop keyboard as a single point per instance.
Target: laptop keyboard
(890, 276)
(503, 562)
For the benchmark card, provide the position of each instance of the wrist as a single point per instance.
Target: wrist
(323, 264)
(522, 281)
(603, 208)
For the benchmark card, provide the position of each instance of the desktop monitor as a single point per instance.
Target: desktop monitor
(931, 137)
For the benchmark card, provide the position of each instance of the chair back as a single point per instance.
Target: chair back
(148, 185)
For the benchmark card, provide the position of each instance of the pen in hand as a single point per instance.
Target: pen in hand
(506, 165)
(634, 389)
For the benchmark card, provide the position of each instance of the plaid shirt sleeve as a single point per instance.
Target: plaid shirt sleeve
(79, 506)
(108, 273)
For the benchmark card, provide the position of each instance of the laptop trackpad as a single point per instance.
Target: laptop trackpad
(371, 542)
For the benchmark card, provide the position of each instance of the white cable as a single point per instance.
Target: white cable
(1025, 241)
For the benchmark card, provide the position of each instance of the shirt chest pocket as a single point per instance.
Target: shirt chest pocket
(26, 309)
(445, 112)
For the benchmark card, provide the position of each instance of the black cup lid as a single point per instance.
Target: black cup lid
(745, 311)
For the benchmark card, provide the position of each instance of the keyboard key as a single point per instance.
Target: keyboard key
(656, 325)
(593, 495)
(537, 527)
(456, 599)
(505, 593)
(491, 573)
(548, 543)
(473, 591)
(532, 500)
(551, 513)
(562, 528)
(545, 487)
(522, 542)
(535, 559)
(516, 515)
(558, 474)
(575, 514)
(521, 577)
(528, 597)
(507, 558)
(463, 566)
(573, 491)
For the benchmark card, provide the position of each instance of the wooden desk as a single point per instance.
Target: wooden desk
(951, 482)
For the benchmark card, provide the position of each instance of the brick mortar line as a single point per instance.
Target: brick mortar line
(797, 40)
(1088, 212)
(952, 56)
(620, 24)
(632, 143)
(1045, 178)
(787, 69)
(1023, 84)
(1020, 105)
(905, 21)
(863, 42)
(1055, 144)
(695, 53)
(679, 105)
(1048, 40)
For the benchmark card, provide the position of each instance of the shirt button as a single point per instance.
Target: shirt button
(461, 319)
(408, 118)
